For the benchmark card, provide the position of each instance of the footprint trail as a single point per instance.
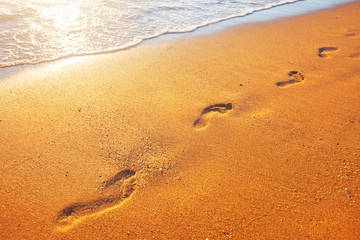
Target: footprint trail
(325, 51)
(297, 78)
(355, 56)
(203, 120)
(114, 192)
(352, 33)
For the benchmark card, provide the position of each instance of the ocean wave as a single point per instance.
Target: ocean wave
(34, 31)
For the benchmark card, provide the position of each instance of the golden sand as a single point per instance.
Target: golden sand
(250, 133)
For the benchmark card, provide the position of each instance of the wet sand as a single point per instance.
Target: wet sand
(249, 133)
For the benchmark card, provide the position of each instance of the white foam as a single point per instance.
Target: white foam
(33, 31)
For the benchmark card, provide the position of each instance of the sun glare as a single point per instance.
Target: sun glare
(63, 19)
(64, 16)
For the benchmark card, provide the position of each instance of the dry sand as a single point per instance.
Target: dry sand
(250, 133)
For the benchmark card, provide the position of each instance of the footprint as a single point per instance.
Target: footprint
(355, 56)
(324, 51)
(203, 120)
(352, 34)
(127, 173)
(114, 191)
(298, 77)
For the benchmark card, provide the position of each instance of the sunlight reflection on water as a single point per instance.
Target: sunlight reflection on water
(40, 30)
(35, 31)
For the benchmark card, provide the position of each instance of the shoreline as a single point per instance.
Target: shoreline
(251, 132)
(265, 15)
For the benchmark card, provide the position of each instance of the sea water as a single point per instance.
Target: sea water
(33, 31)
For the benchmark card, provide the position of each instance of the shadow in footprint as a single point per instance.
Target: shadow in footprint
(352, 33)
(203, 120)
(297, 78)
(355, 56)
(119, 176)
(113, 197)
(324, 51)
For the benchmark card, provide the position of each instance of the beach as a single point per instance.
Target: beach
(251, 132)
